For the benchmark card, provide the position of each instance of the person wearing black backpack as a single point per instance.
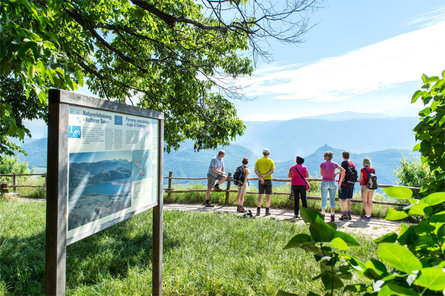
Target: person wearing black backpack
(346, 186)
(240, 179)
(365, 173)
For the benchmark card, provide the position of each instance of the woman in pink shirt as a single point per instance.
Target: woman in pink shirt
(298, 173)
(327, 172)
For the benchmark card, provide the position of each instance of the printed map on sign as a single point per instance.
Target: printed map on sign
(141, 165)
(113, 167)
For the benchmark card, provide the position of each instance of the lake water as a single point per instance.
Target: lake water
(107, 188)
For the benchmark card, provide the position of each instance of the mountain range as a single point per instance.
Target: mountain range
(382, 139)
(289, 138)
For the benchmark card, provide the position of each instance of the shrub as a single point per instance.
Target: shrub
(430, 131)
(415, 256)
(412, 172)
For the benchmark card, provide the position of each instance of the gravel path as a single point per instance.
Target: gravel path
(374, 229)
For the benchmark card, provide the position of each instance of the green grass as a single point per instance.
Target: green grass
(204, 254)
(277, 201)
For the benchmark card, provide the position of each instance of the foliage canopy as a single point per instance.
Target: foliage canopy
(18, 108)
(172, 56)
(412, 172)
(430, 131)
(12, 165)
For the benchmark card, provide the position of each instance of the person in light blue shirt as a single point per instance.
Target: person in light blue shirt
(215, 172)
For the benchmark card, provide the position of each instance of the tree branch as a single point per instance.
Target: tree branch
(172, 20)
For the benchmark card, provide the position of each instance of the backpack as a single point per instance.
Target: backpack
(238, 177)
(351, 175)
(372, 179)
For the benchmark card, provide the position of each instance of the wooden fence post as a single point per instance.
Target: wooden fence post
(46, 180)
(229, 179)
(14, 182)
(169, 188)
(4, 188)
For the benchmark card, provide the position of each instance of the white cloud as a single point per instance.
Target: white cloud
(430, 18)
(379, 66)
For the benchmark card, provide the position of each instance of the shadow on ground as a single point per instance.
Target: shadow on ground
(109, 253)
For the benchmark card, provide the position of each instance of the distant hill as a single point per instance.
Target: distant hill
(37, 153)
(289, 138)
(346, 115)
(183, 163)
(187, 163)
(355, 132)
(359, 132)
(385, 162)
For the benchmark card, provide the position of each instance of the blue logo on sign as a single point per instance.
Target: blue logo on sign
(117, 120)
(73, 131)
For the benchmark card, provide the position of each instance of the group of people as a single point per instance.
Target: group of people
(265, 167)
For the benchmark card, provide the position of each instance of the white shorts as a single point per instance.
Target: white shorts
(242, 189)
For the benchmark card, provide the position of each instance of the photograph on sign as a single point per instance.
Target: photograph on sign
(113, 167)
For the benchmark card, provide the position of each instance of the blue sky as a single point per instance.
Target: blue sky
(361, 56)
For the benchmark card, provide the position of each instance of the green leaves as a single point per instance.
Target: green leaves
(416, 95)
(387, 238)
(398, 192)
(298, 240)
(321, 231)
(283, 293)
(434, 198)
(399, 257)
(415, 254)
(395, 215)
(339, 243)
(331, 281)
(333, 266)
(431, 130)
(432, 278)
(309, 216)
(349, 240)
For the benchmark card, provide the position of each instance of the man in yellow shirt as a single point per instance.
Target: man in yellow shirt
(264, 168)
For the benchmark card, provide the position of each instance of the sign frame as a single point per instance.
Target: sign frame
(57, 187)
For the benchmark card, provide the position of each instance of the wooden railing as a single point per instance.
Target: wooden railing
(14, 184)
(169, 190)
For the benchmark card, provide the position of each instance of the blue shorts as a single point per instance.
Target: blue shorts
(345, 192)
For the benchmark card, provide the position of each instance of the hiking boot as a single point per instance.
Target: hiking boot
(368, 219)
(241, 209)
(267, 212)
(332, 218)
(344, 216)
(217, 188)
(349, 216)
(209, 205)
(258, 211)
(363, 216)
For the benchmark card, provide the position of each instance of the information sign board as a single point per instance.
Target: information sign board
(105, 165)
